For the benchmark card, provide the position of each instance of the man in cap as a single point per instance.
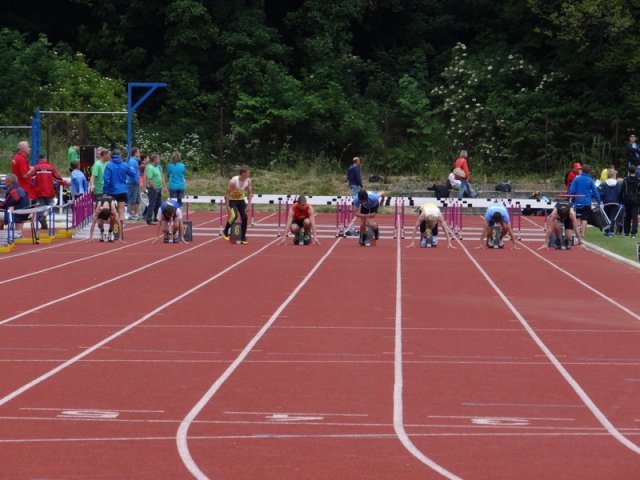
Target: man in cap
(572, 174)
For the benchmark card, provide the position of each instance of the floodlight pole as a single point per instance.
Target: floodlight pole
(35, 138)
(132, 108)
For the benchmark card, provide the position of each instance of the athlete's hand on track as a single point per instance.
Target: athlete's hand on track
(543, 246)
(411, 245)
(451, 245)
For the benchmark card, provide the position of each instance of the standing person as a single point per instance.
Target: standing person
(630, 197)
(430, 217)
(461, 173)
(610, 194)
(133, 184)
(177, 182)
(301, 216)
(79, 184)
(21, 169)
(73, 155)
(235, 198)
(585, 192)
(632, 150)
(115, 181)
(43, 186)
(96, 181)
(572, 174)
(497, 214)
(16, 198)
(154, 186)
(368, 202)
(354, 178)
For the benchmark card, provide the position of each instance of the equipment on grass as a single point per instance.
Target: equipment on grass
(235, 235)
(600, 218)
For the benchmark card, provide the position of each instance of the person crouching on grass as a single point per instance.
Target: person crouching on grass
(368, 203)
(430, 217)
(106, 211)
(170, 211)
(301, 216)
(497, 215)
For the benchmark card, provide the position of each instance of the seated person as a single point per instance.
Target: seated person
(368, 203)
(562, 214)
(497, 214)
(15, 199)
(168, 212)
(430, 217)
(301, 216)
(106, 211)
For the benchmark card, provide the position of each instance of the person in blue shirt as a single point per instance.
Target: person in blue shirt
(368, 203)
(79, 184)
(133, 185)
(115, 180)
(175, 173)
(584, 192)
(497, 214)
(353, 177)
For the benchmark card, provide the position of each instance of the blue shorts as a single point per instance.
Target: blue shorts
(133, 194)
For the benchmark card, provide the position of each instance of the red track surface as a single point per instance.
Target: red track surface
(280, 362)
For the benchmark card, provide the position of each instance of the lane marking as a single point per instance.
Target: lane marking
(551, 419)
(398, 412)
(183, 430)
(122, 331)
(305, 413)
(597, 413)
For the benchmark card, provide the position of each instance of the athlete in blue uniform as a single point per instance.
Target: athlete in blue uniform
(168, 211)
(368, 203)
(497, 214)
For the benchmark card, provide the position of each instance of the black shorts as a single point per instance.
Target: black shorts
(567, 223)
(299, 222)
(584, 213)
(120, 197)
(367, 211)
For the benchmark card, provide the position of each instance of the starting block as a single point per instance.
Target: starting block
(493, 241)
(302, 238)
(116, 232)
(428, 240)
(235, 234)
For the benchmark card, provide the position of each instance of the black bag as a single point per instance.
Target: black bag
(503, 187)
(440, 190)
(599, 216)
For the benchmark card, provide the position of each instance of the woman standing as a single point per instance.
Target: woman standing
(175, 173)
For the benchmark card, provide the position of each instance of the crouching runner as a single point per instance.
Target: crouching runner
(106, 212)
(497, 215)
(563, 215)
(301, 217)
(429, 219)
(169, 212)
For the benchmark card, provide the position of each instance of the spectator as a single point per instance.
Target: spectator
(73, 155)
(461, 174)
(572, 174)
(452, 182)
(630, 197)
(154, 185)
(585, 192)
(97, 174)
(633, 151)
(604, 174)
(177, 183)
(79, 184)
(133, 185)
(17, 199)
(610, 194)
(43, 186)
(21, 169)
(354, 178)
(115, 181)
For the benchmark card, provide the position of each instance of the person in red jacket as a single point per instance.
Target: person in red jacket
(21, 169)
(461, 173)
(43, 186)
(572, 174)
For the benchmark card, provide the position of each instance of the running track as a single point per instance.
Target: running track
(217, 361)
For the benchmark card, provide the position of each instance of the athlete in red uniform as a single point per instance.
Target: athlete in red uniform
(301, 215)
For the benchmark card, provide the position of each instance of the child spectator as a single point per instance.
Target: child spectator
(610, 193)
(79, 184)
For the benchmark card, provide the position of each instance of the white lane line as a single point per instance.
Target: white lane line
(398, 412)
(109, 409)
(183, 430)
(597, 413)
(298, 413)
(586, 285)
(122, 331)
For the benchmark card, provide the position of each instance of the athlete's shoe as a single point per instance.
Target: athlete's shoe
(176, 239)
(166, 239)
(244, 242)
(296, 240)
(225, 236)
(434, 242)
(376, 234)
(500, 244)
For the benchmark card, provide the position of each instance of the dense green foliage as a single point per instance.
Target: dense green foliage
(525, 86)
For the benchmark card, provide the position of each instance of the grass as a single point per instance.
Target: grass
(623, 246)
